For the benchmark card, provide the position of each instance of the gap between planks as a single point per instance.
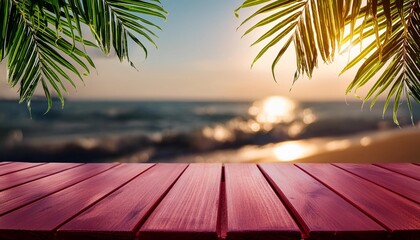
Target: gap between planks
(222, 210)
(398, 215)
(221, 226)
(399, 171)
(304, 229)
(57, 190)
(26, 165)
(46, 174)
(152, 209)
(378, 184)
(348, 200)
(103, 197)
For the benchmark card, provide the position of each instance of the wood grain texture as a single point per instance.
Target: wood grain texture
(17, 166)
(399, 215)
(410, 170)
(253, 209)
(31, 174)
(324, 214)
(119, 215)
(24, 194)
(244, 201)
(41, 218)
(400, 184)
(189, 210)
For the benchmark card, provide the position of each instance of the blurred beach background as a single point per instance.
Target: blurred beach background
(196, 99)
(273, 129)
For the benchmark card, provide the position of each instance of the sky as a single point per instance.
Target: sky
(201, 56)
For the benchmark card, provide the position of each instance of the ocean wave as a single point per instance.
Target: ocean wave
(175, 130)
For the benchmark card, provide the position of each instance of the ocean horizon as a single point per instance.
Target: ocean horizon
(161, 130)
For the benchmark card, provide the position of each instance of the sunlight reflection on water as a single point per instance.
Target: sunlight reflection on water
(291, 151)
(273, 115)
(274, 109)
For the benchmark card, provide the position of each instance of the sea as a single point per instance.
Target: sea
(159, 131)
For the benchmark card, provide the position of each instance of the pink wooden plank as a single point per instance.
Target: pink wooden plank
(400, 184)
(321, 212)
(28, 175)
(40, 219)
(406, 169)
(24, 194)
(399, 215)
(189, 210)
(119, 215)
(253, 209)
(4, 163)
(17, 166)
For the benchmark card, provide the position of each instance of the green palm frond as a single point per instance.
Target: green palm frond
(394, 54)
(115, 22)
(317, 30)
(314, 27)
(43, 40)
(37, 54)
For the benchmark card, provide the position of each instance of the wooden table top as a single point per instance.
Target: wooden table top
(209, 201)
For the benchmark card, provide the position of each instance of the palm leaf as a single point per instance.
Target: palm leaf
(397, 58)
(316, 29)
(304, 22)
(117, 22)
(42, 40)
(5, 6)
(37, 56)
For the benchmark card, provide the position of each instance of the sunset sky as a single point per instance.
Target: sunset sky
(201, 56)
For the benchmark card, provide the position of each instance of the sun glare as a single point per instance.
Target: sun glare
(274, 109)
(351, 51)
